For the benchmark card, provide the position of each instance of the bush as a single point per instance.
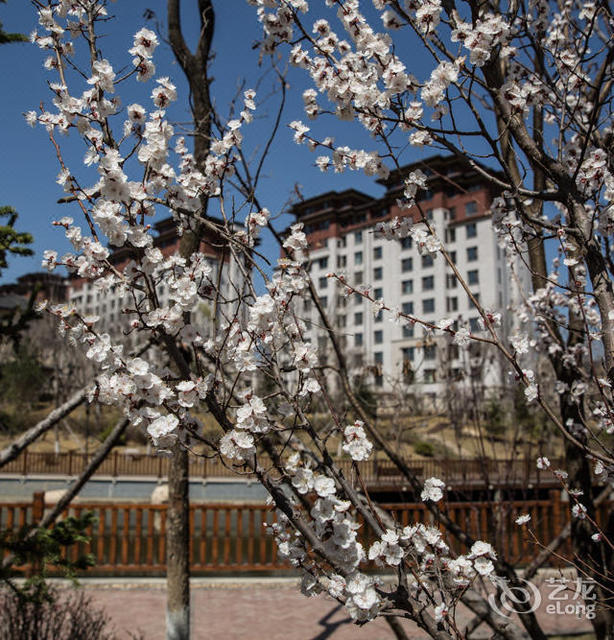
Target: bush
(106, 432)
(22, 379)
(425, 449)
(60, 615)
(10, 423)
(494, 419)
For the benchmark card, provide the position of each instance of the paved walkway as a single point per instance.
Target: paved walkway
(255, 609)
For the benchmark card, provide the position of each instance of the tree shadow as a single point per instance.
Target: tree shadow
(330, 627)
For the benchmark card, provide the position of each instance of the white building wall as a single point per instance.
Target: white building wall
(108, 304)
(429, 297)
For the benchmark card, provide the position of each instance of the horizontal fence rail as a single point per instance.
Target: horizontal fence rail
(130, 539)
(373, 472)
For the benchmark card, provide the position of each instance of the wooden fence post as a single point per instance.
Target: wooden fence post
(115, 464)
(555, 498)
(70, 463)
(38, 506)
(38, 511)
(24, 470)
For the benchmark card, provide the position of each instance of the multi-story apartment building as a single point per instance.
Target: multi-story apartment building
(108, 303)
(340, 227)
(47, 286)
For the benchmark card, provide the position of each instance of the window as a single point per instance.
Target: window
(408, 308)
(324, 301)
(472, 254)
(477, 300)
(427, 261)
(358, 257)
(342, 242)
(430, 352)
(453, 352)
(475, 349)
(450, 235)
(428, 305)
(323, 282)
(378, 293)
(453, 256)
(341, 262)
(452, 304)
(341, 321)
(378, 361)
(407, 264)
(408, 353)
(378, 273)
(406, 243)
(429, 376)
(346, 221)
(379, 316)
(471, 230)
(307, 305)
(429, 214)
(358, 339)
(358, 277)
(474, 325)
(358, 318)
(451, 281)
(357, 299)
(424, 194)
(473, 277)
(452, 213)
(323, 262)
(471, 208)
(408, 331)
(378, 336)
(428, 283)
(377, 253)
(357, 237)
(407, 286)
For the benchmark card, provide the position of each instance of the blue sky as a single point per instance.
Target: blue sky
(28, 166)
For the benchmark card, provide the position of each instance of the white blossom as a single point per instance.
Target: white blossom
(356, 444)
(432, 490)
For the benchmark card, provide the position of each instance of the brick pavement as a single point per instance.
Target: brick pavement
(237, 612)
(259, 610)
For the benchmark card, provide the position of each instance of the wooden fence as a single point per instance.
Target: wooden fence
(130, 539)
(374, 472)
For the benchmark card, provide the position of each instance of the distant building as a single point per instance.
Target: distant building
(340, 228)
(45, 286)
(90, 299)
(17, 297)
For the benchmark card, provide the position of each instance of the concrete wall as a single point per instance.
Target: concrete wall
(17, 488)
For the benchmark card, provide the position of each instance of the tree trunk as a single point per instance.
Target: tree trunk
(594, 559)
(178, 548)
(195, 66)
